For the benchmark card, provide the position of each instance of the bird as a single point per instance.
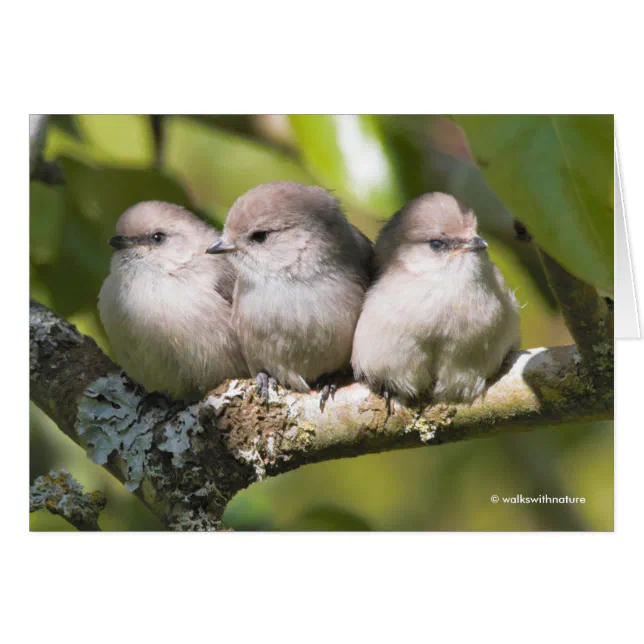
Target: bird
(439, 320)
(166, 306)
(303, 270)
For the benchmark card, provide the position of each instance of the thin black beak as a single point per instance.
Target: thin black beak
(478, 243)
(119, 242)
(220, 246)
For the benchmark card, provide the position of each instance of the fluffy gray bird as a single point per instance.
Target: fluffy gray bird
(439, 320)
(166, 305)
(303, 270)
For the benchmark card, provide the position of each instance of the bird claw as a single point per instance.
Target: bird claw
(327, 390)
(264, 385)
(388, 398)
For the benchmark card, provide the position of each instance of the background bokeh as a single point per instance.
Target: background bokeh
(374, 164)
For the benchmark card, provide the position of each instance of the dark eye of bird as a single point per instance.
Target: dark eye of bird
(159, 238)
(436, 244)
(259, 236)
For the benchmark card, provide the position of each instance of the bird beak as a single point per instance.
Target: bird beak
(119, 242)
(220, 246)
(478, 243)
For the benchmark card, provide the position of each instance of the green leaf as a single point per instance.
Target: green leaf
(218, 166)
(555, 173)
(82, 263)
(433, 155)
(124, 140)
(46, 219)
(329, 518)
(94, 199)
(349, 154)
(103, 194)
(67, 123)
(250, 512)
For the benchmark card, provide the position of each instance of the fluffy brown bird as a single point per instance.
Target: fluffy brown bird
(166, 306)
(302, 274)
(439, 320)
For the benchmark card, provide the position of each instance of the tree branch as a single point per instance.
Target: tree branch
(589, 319)
(187, 462)
(61, 494)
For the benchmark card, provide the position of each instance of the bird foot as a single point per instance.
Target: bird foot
(386, 394)
(328, 386)
(264, 385)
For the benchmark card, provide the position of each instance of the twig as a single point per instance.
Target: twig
(61, 494)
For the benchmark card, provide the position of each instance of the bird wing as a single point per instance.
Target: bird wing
(225, 281)
(367, 256)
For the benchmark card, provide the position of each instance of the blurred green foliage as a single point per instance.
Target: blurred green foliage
(350, 153)
(557, 172)
(374, 164)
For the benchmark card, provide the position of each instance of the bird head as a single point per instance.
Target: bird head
(282, 229)
(433, 232)
(161, 235)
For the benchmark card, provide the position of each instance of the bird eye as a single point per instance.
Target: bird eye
(159, 238)
(436, 244)
(259, 236)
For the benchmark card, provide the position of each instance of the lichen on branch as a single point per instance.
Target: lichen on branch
(61, 494)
